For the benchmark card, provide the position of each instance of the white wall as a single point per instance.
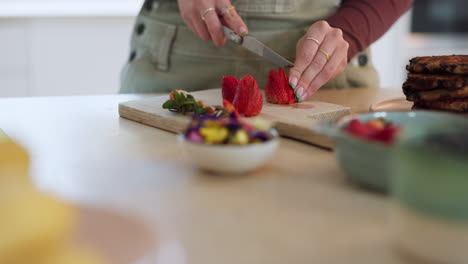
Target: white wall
(62, 56)
(390, 54)
(13, 58)
(63, 47)
(393, 51)
(35, 8)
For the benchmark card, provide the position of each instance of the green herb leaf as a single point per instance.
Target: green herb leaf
(179, 98)
(185, 103)
(169, 104)
(199, 109)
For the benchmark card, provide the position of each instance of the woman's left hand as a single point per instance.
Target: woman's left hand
(321, 54)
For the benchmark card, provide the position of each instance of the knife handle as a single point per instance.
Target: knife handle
(232, 35)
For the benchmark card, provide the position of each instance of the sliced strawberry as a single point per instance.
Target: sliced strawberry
(278, 90)
(386, 135)
(255, 105)
(248, 99)
(229, 87)
(358, 129)
(369, 130)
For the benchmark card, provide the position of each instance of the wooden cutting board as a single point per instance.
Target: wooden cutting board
(294, 121)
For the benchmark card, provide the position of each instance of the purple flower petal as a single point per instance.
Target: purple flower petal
(194, 136)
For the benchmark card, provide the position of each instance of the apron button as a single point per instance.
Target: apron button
(132, 56)
(140, 29)
(148, 5)
(362, 59)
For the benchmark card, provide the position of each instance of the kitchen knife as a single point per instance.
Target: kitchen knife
(257, 47)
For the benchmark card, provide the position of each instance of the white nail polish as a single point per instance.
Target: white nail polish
(293, 82)
(300, 91)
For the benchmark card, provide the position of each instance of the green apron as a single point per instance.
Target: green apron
(166, 55)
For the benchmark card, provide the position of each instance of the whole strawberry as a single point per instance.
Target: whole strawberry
(278, 90)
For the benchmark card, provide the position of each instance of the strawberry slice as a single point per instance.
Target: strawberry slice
(386, 135)
(359, 129)
(369, 130)
(248, 99)
(229, 87)
(278, 90)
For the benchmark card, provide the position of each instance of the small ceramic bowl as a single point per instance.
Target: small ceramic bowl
(230, 159)
(369, 163)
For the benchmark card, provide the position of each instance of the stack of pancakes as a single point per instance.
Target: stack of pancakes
(438, 82)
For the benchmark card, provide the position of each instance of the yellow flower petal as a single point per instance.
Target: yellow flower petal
(241, 137)
(214, 135)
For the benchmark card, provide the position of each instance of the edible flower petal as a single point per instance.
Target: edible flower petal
(241, 137)
(214, 135)
(194, 137)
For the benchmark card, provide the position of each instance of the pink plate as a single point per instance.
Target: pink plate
(396, 104)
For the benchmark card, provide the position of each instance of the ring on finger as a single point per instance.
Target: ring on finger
(225, 10)
(204, 12)
(327, 55)
(314, 39)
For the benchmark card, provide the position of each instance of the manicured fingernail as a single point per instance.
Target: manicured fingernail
(300, 91)
(243, 31)
(304, 97)
(293, 82)
(298, 98)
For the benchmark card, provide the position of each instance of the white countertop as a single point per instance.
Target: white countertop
(298, 208)
(67, 8)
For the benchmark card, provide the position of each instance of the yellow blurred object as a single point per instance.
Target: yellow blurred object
(14, 160)
(34, 227)
(32, 224)
(72, 255)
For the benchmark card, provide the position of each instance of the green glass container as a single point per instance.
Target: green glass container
(369, 163)
(430, 187)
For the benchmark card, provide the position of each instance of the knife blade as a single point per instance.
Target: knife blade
(257, 47)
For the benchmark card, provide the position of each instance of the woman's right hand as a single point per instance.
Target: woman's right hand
(193, 11)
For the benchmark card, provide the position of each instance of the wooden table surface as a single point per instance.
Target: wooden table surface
(299, 208)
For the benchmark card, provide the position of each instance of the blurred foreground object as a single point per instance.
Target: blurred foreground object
(34, 227)
(14, 160)
(430, 219)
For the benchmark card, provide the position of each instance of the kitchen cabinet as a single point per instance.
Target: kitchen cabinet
(61, 47)
(62, 56)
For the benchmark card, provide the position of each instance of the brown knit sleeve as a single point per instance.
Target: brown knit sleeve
(364, 21)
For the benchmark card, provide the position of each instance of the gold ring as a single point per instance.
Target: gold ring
(327, 56)
(225, 10)
(203, 14)
(314, 39)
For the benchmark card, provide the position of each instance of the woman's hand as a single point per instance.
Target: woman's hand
(215, 13)
(321, 54)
